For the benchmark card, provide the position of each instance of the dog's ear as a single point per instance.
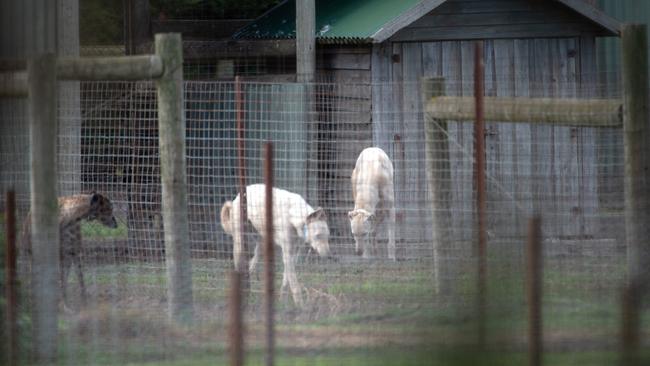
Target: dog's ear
(318, 215)
(352, 214)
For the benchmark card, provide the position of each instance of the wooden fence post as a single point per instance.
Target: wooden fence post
(636, 135)
(171, 117)
(636, 131)
(439, 179)
(42, 108)
(305, 40)
(481, 193)
(11, 291)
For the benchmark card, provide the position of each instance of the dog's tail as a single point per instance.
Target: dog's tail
(226, 222)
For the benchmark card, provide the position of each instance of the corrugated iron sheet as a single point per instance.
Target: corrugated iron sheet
(337, 21)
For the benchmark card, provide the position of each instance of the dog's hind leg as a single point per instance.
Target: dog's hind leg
(388, 198)
(80, 277)
(237, 250)
(391, 233)
(66, 263)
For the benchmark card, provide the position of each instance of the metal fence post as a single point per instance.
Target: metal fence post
(42, 108)
(236, 323)
(171, 117)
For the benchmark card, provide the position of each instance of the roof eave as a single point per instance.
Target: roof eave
(404, 19)
(611, 26)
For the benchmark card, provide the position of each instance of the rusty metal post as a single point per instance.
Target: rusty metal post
(241, 159)
(534, 292)
(481, 195)
(236, 326)
(11, 283)
(269, 267)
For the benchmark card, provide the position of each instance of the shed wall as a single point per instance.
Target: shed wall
(556, 67)
(343, 103)
(496, 19)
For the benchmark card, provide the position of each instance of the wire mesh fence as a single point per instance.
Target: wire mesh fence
(349, 308)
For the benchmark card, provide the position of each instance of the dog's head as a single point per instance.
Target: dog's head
(361, 225)
(101, 210)
(316, 232)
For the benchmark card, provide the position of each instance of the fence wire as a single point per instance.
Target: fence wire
(353, 309)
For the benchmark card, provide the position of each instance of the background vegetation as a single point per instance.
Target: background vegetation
(101, 21)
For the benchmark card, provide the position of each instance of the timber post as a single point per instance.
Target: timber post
(42, 109)
(438, 176)
(171, 122)
(636, 137)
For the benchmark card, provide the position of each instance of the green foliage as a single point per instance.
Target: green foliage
(100, 22)
(210, 9)
(95, 230)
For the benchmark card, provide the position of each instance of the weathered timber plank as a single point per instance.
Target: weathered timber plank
(548, 30)
(547, 111)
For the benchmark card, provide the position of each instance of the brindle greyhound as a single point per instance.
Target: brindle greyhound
(72, 210)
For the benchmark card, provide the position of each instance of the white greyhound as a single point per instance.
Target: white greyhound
(374, 199)
(294, 222)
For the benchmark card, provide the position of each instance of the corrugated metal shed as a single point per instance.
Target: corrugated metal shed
(374, 21)
(532, 48)
(336, 20)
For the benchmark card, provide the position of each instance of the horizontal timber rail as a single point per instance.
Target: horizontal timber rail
(562, 112)
(122, 68)
(13, 84)
(110, 68)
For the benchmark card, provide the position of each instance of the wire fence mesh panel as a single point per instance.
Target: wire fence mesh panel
(342, 297)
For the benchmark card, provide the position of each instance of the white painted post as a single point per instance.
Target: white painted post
(42, 109)
(171, 122)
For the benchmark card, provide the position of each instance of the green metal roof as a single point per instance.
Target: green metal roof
(336, 20)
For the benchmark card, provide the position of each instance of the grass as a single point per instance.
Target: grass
(392, 356)
(358, 313)
(95, 230)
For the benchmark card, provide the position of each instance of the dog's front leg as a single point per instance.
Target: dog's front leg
(255, 259)
(288, 257)
(237, 249)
